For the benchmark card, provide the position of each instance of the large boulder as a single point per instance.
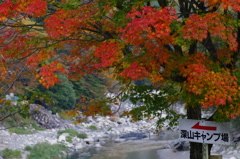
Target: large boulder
(44, 117)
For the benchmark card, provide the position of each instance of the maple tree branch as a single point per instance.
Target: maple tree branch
(15, 79)
(85, 64)
(119, 107)
(94, 31)
(98, 26)
(188, 7)
(36, 49)
(11, 114)
(22, 58)
(23, 25)
(183, 9)
(191, 5)
(92, 37)
(76, 39)
(15, 36)
(208, 44)
(178, 49)
(18, 24)
(199, 5)
(10, 41)
(162, 3)
(47, 45)
(193, 48)
(3, 28)
(108, 17)
(119, 4)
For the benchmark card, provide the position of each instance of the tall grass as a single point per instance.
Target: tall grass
(11, 154)
(17, 124)
(47, 151)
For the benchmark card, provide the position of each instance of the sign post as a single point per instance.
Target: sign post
(205, 151)
(206, 132)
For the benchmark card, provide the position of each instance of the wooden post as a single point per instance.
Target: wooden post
(205, 151)
(194, 112)
(215, 157)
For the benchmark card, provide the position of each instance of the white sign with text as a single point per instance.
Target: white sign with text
(202, 131)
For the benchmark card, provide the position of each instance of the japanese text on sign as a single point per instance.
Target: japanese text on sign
(202, 136)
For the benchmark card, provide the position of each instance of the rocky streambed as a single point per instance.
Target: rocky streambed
(108, 129)
(114, 137)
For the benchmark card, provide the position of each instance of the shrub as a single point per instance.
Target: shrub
(17, 124)
(21, 130)
(11, 122)
(71, 132)
(69, 139)
(47, 151)
(82, 135)
(28, 148)
(92, 127)
(10, 154)
(65, 116)
(36, 127)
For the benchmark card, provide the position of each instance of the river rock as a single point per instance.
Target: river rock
(97, 145)
(44, 117)
(62, 137)
(230, 152)
(68, 144)
(89, 120)
(99, 119)
(52, 141)
(114, 131)
(78, 146)
(127, 129)
(113, 118)
(84, 154)
(119, 140)
(89, 140)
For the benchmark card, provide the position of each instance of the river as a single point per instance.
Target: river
(150, 148)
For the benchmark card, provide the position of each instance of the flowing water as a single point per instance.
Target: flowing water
(133, 149)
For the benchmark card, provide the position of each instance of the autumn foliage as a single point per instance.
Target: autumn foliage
(193, 46)
(216, 88)
(34, 8)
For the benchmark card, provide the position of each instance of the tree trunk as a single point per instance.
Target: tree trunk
(194, 112)
(196, 150)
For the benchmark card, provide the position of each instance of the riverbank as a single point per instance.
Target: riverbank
(110, 129)
(107, 128)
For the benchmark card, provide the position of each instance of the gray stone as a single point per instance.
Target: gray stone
(230, 152)
(62, 137)
(45, 118)
(119, 140)
(98, 145)
(78, 146)
(84, 154)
